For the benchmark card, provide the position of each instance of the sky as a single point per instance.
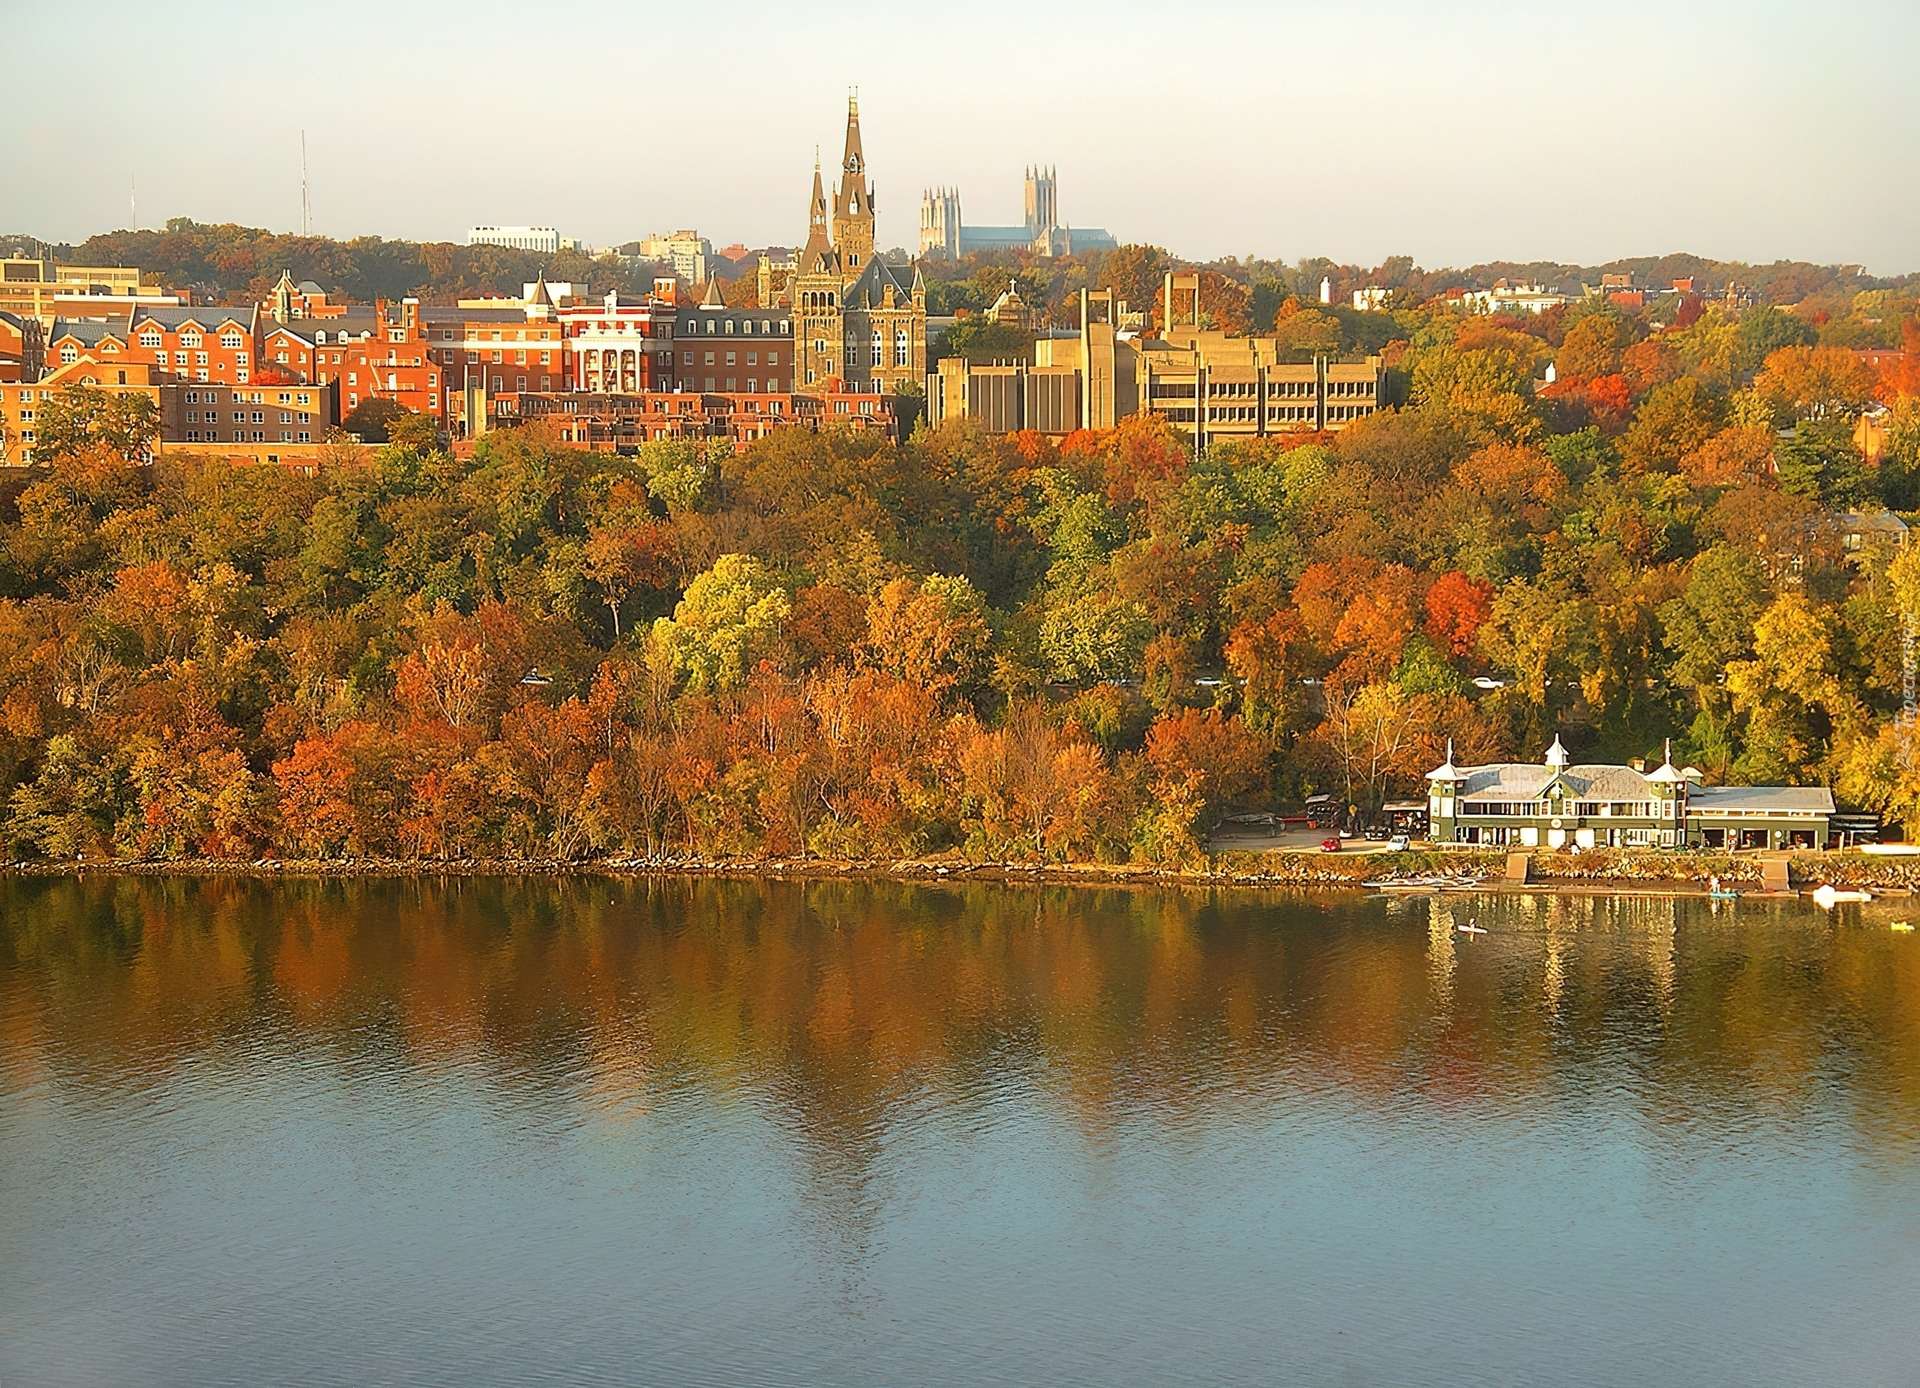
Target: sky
(1457, 133)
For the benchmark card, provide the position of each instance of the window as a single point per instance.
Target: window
(149, 338)
(68, 355)
(179, 358)
(902, 348)
(773, 359)
(231, 341)
(189, 338)
(709, 359)
(730, 360)
(286, 417)
(259, 417)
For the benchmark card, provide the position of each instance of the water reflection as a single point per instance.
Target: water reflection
(858, 1056)
(840, 1001)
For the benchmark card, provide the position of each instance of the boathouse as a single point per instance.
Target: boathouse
(1562, 804)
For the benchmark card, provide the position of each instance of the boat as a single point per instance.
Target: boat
(1827, 896)
(1903, 925)
(1471, 929)
(1716, 892)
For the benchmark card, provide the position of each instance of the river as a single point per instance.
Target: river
(582, 1131)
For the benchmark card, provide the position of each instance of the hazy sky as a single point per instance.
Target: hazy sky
(1455, 133)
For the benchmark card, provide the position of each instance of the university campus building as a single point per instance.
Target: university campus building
(1211, 385)
(1560, 804)
(859, 324)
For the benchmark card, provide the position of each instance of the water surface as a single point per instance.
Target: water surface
(530, 1132)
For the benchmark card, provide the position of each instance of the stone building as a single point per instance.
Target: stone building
(859, 323)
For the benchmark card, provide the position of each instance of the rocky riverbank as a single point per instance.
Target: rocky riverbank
(1600, 870)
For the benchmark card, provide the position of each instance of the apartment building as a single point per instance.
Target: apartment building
(722, 350)
(619, 421)
(206, 345)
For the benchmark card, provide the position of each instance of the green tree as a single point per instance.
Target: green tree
(730, 619)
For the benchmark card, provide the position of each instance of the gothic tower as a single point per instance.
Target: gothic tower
(853, 203)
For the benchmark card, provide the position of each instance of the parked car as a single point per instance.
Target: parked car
(1330, 845)
(1377, 833)
(1399, 843)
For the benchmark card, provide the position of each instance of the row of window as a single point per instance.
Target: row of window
(475, 335)
(240, 417)
(746, 327)
(241, 436)
(773, 359)
(753, 385)
(1576, 809)
(240, 397)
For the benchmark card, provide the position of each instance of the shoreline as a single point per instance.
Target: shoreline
(1652, 876)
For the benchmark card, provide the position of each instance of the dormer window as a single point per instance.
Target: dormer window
(231, 341)
(149, 338)
(189, 338)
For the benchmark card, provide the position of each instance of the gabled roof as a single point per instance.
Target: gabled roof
(712, 298)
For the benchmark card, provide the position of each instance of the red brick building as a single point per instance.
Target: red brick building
(207, 345)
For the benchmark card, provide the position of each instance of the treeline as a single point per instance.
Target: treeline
(240, 264)
(997, 647)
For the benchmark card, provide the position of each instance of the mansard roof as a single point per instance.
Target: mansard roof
(207, 319)
(869, 287)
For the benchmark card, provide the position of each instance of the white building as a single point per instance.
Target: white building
(1510, 298)
(688, 250)
(545, 239)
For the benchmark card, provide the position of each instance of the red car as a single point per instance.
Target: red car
(1330, 845)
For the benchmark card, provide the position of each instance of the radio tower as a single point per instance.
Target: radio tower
(306, 211)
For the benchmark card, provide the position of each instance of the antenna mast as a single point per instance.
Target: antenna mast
(306, 211)
(133, 205)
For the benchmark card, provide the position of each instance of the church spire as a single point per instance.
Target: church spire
(853, 203)
(818, 252)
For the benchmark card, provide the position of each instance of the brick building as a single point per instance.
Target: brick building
(207, 345)
(726, 351)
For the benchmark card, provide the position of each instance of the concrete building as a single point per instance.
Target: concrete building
(943, 233)
(42, 289)
(688, 251)
(543, 239)
(1561, 804)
